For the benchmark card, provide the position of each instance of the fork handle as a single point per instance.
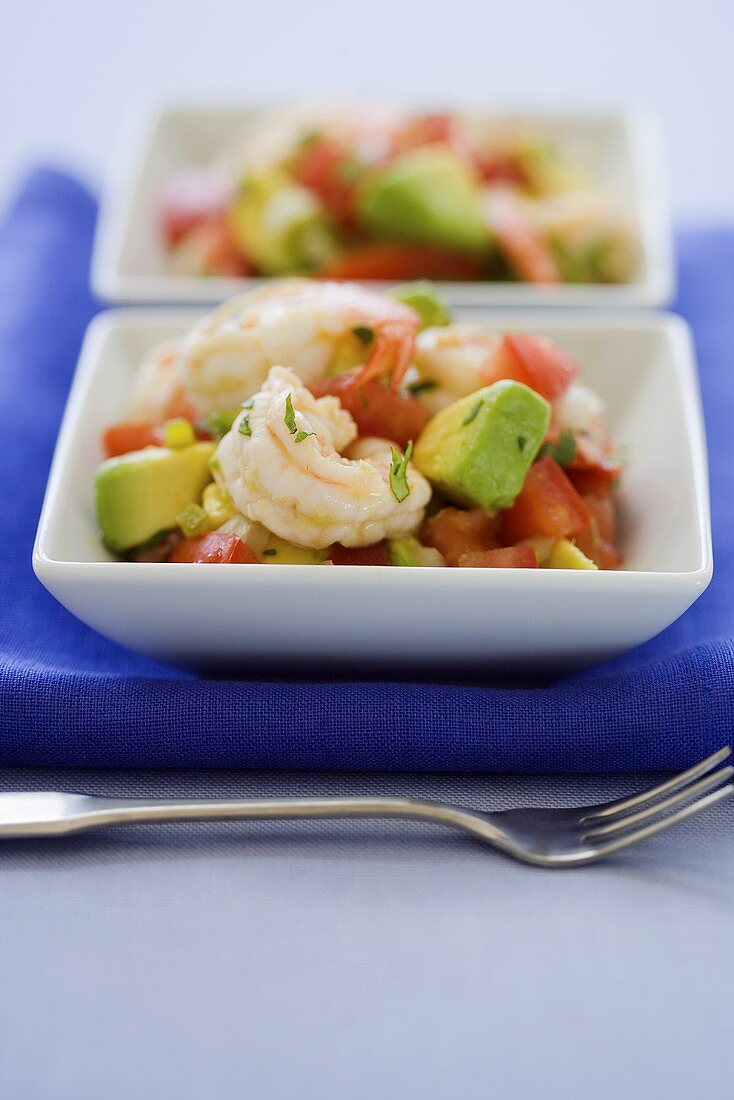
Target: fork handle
(129, 811)
(99, 812)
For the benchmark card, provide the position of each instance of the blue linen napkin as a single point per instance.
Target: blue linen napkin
(70, 697)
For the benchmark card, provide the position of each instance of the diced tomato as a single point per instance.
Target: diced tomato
(593, 480)
(360, 555)
(604, 511)
(496, 170)
(597, 540)
(322, 167)
(505, 557)
(389, 260)
(520, 241)
(547, 505)
(130, 435)
(602, 553)
(456, 532)
(190, 198)
(592, 470)
(533, 360)
(213, 549)
(377, 409)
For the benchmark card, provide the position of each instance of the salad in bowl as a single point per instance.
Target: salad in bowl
(363, 192)
(323, 423)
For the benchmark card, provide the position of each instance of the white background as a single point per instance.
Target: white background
(69, 69)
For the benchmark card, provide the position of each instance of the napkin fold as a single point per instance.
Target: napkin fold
(70, 697)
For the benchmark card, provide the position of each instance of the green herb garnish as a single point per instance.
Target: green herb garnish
(290, 416)
(562, 452)
(364, 333)
(399, 472)
(301, 435)
(424, 385)
(270, 553)
(521, 442)
(217, 424)
(472, 414)
(244, 426)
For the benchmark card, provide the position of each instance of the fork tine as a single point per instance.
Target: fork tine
(664, 823)
(619, 823)
(622, 804)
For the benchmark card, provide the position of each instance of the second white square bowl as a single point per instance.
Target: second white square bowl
(621, 150)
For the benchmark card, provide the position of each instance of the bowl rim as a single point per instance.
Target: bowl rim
(91, 361)
(640, 122)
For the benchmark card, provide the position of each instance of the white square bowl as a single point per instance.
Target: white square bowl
(390, 618)
(621, 150)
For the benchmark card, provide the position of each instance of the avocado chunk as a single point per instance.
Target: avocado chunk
(422, 297)
(478, 450)
(279, 552)
(141, 493)
(427, 196)
(281, 227)
(408, 551)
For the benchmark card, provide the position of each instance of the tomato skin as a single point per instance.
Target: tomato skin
(191, 198)
(376, 409)
(213, 549)
(532, 360)
(360, 555)
(388, 260)
(456, 532)
(504, 557)
(548, 504)
(130, 435)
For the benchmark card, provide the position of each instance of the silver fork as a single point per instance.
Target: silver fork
(545, 838)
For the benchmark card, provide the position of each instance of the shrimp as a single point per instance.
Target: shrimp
(453, 358)
(591, 237)
(511, 218)
(156, 391)
(581, 410)
(310, 326)
(281, 464)
(269, 138)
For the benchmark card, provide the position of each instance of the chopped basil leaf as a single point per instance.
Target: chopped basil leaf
(424, 385)
(399, 472)
(244, 427)
(270, 553)
(301, 435)
(521, 442)
(562, 452)
(364, 333)
(290, 416)
(248, 404)
(472, 414)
